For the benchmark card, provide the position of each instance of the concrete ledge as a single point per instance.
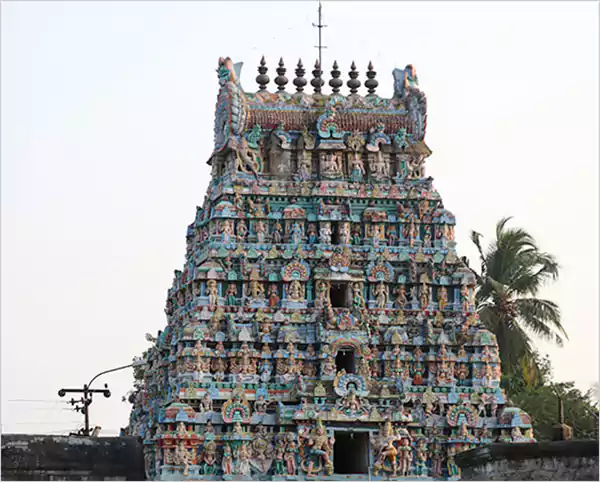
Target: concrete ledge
(564, 460)
(44, 457)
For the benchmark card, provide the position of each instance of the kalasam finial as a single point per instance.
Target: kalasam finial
(300, 81)
(263, 79)
(335, 83)
(353, 84)
(317, 82)
(281, 80)
(371, 83)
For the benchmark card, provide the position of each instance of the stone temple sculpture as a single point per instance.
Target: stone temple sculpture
(323, 324)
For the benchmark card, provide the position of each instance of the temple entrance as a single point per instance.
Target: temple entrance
(351, 453)
(339, 295)
(345, 360)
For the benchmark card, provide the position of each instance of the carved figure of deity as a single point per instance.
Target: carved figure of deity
(291, 450)
(322, 292)
(404, 457)
(400, 293)
(227, 462)
(381, 295)
(325, 233)
(231, 299)
(295, 291)
(312, 234)
(208, 458)
(280, 468)
(279, 158)
(304, 165)
(297, 233)
(357, 173)
(212, 292)
(243, 460)
(424, 296)
(256, 291)
(226, 230)
(380, 168)
(260, 230)
(242, 230)
(206, 404)
(344, 233)
(273, 296)
(331, 165)
(320, 450)
(358, 300)
(277, 233)
(260, 405)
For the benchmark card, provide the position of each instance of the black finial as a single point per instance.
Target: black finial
(353, 84)
(300, 81)
(317, 82)
(263, 79)
(335, 83)
(371, 83)
(281, 80)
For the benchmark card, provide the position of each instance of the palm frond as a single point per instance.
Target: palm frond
(542, 317)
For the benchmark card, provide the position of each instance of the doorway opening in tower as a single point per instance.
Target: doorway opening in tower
(345, 360)
(339, 295)
(351, 453)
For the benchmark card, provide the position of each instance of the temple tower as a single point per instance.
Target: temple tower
(323, 324)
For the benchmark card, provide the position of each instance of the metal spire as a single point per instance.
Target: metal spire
(320, 27)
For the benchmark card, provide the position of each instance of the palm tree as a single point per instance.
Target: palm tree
(512, 272)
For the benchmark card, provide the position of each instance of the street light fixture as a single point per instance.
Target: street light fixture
(87, 392)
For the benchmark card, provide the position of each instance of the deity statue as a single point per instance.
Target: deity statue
(344, 229)
(231, 299)
(208, 458)
(404, 457)
(291, 450)
(304, 166)
(260, 405)
(273, 296)
(322, 292)
(183, 457)
(400, 293)
(421, 457)
(325, 233)
(381, 295)
(424, 296)
(297, 233)
(226, 230)
(277, 233)
(256, 291)
(312, 233)
(453, 469)
(206, 404)
(227, 462)
(358, 300)
(280, 466)
(442, 298)
(331, 165)
(242, 230)
(320, 450)
(295, 291)
(243, 460)
(356, 236)
(212, 292)
(357, 173)
(380, 168)
(260, 230)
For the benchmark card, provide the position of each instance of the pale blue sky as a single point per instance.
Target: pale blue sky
(107, 112)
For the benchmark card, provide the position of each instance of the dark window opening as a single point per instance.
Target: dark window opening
(345, 360)
(338, 296)
(351, 453)
(335, 233)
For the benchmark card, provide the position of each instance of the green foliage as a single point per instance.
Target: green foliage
(513, 270)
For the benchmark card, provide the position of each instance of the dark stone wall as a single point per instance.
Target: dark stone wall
(45, 457)
(565, 460)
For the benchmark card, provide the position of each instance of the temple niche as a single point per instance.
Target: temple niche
(323, 324)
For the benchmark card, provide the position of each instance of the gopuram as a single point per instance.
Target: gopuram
(323, 325)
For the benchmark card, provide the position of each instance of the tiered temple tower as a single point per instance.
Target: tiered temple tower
(323, 325)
